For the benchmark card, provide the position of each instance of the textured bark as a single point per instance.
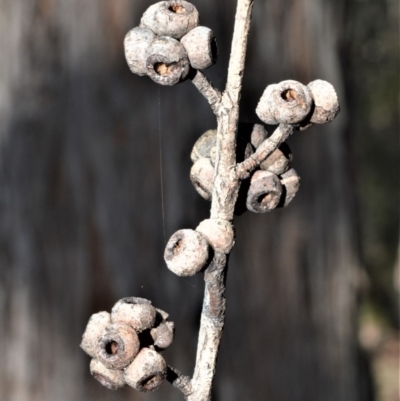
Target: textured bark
(81, 217)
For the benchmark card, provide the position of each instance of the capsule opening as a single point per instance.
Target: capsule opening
(289, 95)
(177, 9)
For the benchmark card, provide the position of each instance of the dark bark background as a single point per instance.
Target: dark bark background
(94, 178)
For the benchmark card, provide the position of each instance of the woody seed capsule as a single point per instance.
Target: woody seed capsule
(163, 335)
(147, 372)
(264, 193)
(325, 100)
(202, 177)
(186, 253)
(110, 378)
(201, 47)
(219, 234)
(171, 18)
(167, 62)
(136, 312)
(202, 147)
(290, 182)
(94, 330)
(258, 135)
(118, 346)
(136, 44)
(279, 161)
(288, 102)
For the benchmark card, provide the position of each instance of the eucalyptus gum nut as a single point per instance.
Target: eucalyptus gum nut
(163, 335)
(290, 182)
(288, 102)
(219, 233)
(186, 253)
(94, 330)
(279, 161)
(202, 177)
(147, 372)
(325, 100)
(167, 62)
(136, 43)
(203, 145)
(265, 192)
(111, 378)
(161, 315)
(118, 346)
(171, 18)
(258, 135)
(135, 312)
(201, 47)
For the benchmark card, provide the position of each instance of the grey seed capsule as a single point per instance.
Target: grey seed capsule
(279, 161)
(288, 102)
(136, 44)
(219, 234)
(111, 378)
(202, 177)
(118, 346)
(290, 182)
(202, 147)
(264, 193)
(167, 62)
(325, 100)
(171, 18)
(94, 330)
(163, 335)
(186, 253)
(136, 312)
(147, 372)
(258, 135)
(201, 47)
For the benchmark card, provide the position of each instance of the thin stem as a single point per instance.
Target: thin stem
(225, 193)
(279, 136)
(179, 381)
(206, 88)
(238, 50)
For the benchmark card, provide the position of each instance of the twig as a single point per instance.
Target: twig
(179, 381)
(205, 87)
(225, 193)
(279, 136)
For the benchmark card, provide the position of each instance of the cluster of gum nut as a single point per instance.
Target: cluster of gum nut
(125, 345)
(273, 185)
(168, 42)
(166, 45)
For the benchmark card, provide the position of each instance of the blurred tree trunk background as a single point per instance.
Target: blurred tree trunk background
(95, 178)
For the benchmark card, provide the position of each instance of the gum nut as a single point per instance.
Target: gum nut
(288, 102)
(279, 161)
(163, 335)
(201, 47)
(147, 372)
(94, 330)
(171, 18)
(264, 193)
(186, 253)
(118, 346)
(138, 313)
(167, 62)
(325, 100)
(136, 44)
(258, 135)
(219, 234)
(202, 177)
(290, 182)
(161, 315)
(202, 147)
(110, 378)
